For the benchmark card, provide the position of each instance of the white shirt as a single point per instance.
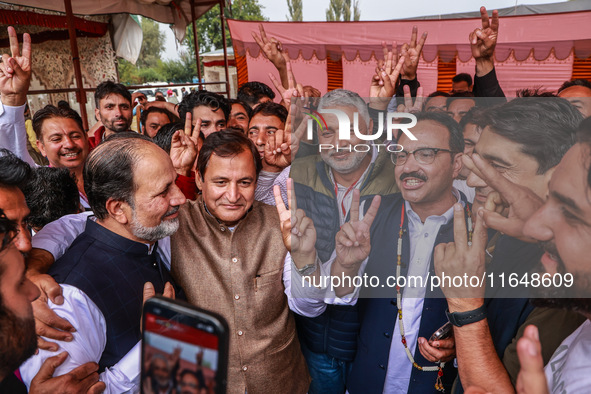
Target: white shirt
(569, 369)
(468, 191)
(13, 133)
(267, 180)
(422, 241)
(88, 345)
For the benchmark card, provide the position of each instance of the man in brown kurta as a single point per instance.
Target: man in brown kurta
(229, 257)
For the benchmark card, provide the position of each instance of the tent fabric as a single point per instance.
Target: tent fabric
(532, 49)
(176, 12)
(127, 37)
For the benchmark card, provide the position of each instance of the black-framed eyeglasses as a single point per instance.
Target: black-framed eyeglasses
(422, 155)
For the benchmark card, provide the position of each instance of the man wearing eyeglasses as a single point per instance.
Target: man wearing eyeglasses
(424, 172)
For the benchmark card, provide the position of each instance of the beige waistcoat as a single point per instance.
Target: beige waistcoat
(239, 275)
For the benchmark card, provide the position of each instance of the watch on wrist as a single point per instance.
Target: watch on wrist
(460, 319)
(307, 269)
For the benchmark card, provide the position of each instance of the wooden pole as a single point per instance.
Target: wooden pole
(196, 43)
(223, 21)
(81, 93)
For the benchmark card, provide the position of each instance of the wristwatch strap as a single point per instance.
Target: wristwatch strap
(460, 319)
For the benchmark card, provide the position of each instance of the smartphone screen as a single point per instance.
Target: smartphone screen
(183, 350)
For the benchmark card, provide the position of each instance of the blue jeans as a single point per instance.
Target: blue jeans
(329, 374)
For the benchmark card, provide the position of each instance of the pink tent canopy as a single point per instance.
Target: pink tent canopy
(532, 50)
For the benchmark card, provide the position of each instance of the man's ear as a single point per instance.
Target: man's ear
(198, 180)
(96, 114)
(457, 164)
(370, 127)
(119, 210)
(41, 148)
(548, 175)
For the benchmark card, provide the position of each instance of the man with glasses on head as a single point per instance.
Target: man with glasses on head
(394, 358)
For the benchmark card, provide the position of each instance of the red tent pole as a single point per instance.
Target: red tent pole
(81, 93)
(196, 43)
(223, 22)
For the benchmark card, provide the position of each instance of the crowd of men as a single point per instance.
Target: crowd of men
(235, 206)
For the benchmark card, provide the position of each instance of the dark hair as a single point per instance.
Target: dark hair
(50, 111)
(543, 127)
(203, 97)
(438, 93)
(109, 87)
(575, 82)
(463, 77)
(50, 194)
(460, 96)
(271, 109)
(246, 107)
(13, 171)
(456, 137)
(163, 137)
(475, 116)
(62, 104)
(252, 92)
(8, 229)
(534, 92)
(227, 143)
(146, 112)
(108, 171)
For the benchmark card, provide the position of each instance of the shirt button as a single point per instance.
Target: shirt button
(222, 229)
(426, 235)
(244, 368)
(237, 297)
(234, 260)
(240, 332)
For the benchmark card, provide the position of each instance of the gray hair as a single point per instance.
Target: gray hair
(345, 98)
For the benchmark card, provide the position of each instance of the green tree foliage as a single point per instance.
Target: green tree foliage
(152, 44)
(343, 10)
(209, 28)
(295, 11)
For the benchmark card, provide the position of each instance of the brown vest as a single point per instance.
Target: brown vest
(239, 275)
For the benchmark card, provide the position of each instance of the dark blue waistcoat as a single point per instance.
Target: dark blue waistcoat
(378, 311)
(111, 270)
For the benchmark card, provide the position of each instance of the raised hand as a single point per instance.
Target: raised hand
(15, 71)
(383, 83)
(184, 147)
(531, 378)
(483, 40)
(271, 48)
(412, 54)
(293, 89)
(462, 257)
(411, 105)
(299, 233)
(353, 240)
(278, 146)
(520, 201)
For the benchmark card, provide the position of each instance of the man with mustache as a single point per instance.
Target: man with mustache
(131, 189)
(407, 225)
(561, 225)
(61, 138)
(324, 187)
(523, 141)
(266, 121)
(113, 110)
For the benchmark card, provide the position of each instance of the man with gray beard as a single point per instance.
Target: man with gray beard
(324, 187)
(130, 183)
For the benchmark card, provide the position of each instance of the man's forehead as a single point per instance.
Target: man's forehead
(429, 133)
(205, 110)
(114, 98)
(12, 201)
(260, 119)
